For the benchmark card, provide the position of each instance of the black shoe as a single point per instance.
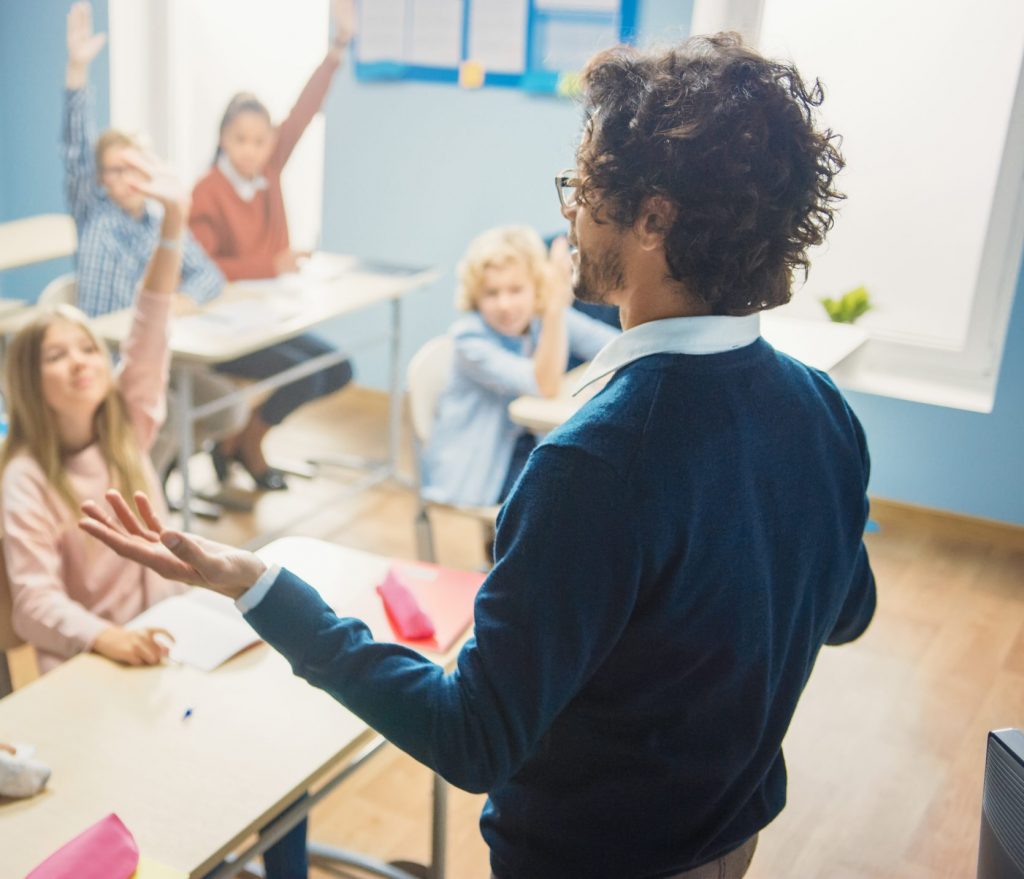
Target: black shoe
(221, 462)
(270, 479)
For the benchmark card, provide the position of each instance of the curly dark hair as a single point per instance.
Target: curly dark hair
(729, 138)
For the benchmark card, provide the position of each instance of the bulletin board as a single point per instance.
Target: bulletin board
(535, 45)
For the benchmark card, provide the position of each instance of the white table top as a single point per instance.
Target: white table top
(821, 344)
(189, 790)
(251, 315)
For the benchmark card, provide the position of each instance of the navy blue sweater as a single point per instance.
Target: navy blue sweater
(668, 567)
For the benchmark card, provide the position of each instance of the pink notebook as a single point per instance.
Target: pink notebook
(107, 850)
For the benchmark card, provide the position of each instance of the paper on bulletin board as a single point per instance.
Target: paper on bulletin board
(435, 33)
(600, 6)
(382, 30)
(497, 35)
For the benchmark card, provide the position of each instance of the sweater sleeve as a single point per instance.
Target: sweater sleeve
(587, 335)
(306, 107)
(42, 611)
(78, 143)
(561, 593)
(145, 366)
(485, 362)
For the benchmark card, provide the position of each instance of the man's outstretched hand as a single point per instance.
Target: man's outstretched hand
(172, 554)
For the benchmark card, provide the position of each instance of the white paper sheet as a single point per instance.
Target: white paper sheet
(603, 6)
(435, 33)
(207, 628)
(239, 318)
(497, 35)
(381, 30)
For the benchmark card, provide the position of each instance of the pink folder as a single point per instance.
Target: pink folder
(107, 850)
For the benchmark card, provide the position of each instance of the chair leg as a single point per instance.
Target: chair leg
(6, 684)
(424, 537)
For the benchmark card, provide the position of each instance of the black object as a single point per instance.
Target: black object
(1001, 846)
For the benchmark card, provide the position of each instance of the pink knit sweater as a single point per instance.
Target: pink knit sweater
(66, 587)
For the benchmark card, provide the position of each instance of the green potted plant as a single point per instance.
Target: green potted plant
(848, 307)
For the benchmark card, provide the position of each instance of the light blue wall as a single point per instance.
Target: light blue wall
(414, 171)
(32, 58)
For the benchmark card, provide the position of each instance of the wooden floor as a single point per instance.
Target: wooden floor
(885, 753)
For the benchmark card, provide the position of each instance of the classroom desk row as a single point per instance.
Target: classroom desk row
(253, 315)
(192, 788)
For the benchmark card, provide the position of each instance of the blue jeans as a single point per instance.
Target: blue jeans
(277, 358)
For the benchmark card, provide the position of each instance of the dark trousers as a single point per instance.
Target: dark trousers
(277, 358)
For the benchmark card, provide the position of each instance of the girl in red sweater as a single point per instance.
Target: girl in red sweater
(238, 216)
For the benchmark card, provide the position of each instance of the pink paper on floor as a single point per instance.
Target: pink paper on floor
(106, 850)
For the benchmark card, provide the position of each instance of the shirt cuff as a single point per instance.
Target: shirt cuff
(258, 591)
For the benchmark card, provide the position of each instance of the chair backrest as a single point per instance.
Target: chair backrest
(62, 290)
(36, 239)
(8, 637)
(427, 376)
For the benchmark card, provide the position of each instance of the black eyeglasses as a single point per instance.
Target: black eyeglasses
(567, 183)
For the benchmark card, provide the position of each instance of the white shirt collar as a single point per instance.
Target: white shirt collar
(674, 335)
(244, 186)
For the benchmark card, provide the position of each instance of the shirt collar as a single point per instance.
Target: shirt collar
(675, 335)
(245, 187)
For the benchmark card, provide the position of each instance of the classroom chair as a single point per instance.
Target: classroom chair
(8, 637)
(62, 290)
(36, 239)
(427, 376)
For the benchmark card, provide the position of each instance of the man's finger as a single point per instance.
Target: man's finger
(150, 555)
(95, 512)
(149, 515)
(186, 548)
(128, 517)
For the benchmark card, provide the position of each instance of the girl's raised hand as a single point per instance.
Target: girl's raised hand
(345, 18)
(83, 44)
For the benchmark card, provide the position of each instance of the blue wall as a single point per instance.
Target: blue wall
(415, 170)
(33, 54)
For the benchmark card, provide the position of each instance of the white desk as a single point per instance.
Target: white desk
(253, 315)
(821, 344)
(191, 790)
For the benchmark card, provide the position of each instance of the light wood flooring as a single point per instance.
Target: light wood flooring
(885, 753)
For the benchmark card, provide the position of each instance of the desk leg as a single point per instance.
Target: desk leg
(439, 829)
(184, 419)
(394, 387)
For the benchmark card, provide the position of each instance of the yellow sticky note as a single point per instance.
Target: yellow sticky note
(568, 85)
(471, 74)
(150, 869)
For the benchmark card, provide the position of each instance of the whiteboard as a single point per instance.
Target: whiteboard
(922, 94)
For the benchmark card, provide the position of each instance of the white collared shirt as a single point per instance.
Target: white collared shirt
(246, 187)
(712, 334)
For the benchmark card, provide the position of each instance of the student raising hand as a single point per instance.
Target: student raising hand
(83, 44)
(344, 14)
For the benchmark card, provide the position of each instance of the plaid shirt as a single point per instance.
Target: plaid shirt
(114, 248)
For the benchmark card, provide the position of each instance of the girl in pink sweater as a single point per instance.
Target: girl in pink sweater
(78, 428)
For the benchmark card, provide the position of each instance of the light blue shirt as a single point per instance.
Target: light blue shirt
(471, 445)
(114, 248)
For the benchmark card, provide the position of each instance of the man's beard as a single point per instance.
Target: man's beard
(597, 279)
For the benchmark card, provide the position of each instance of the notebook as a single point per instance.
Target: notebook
(208, 629)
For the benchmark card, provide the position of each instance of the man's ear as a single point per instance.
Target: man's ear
(655, 217)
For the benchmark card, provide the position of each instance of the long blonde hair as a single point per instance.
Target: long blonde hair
(32, 425)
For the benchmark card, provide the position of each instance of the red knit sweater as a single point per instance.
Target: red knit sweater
(243, 237)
